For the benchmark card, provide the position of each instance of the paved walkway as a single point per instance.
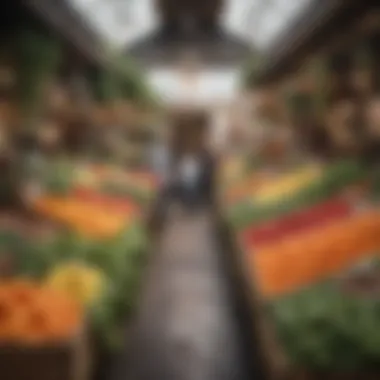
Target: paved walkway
(185, 328)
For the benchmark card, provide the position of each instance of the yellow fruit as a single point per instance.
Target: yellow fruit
(81, 282)
(286, 185)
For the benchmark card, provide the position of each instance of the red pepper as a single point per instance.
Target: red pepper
(297, 222)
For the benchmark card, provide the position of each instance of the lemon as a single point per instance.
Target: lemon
(81, 282)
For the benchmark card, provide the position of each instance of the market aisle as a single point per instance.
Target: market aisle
(185, 328)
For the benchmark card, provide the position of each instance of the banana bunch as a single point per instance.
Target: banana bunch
(81, 282)
(287, 185)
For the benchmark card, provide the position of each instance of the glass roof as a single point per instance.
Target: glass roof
(258, 21)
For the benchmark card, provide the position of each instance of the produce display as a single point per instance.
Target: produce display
(300, 236)
(102, 276)
(82, 282)
(296, 222)
(334, 179)
(139, 186)
(34, 314)
(73, 243)
(244, 188)
(94, 259)
(119, 204)
(332, 326)
(82, 217)
(286, 185)
(311, 258)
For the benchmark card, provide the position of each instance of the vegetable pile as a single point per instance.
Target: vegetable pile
(138, 186)
(94, 259)
(299, 221)
(332, 326)
(299, 234)
(100, 275)
(31, 314)
(315, 254)
(332, 181)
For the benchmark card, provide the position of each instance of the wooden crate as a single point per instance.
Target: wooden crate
(68, 361)
(263, 343)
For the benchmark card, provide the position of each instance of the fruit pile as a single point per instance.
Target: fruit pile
(32, 314)
(101, 276)
(97, 202)
(88, 219)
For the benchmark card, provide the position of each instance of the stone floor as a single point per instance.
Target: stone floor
(185, 328)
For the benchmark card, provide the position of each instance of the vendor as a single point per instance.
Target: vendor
(195, 165)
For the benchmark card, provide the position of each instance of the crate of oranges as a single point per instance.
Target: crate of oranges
(41, 334)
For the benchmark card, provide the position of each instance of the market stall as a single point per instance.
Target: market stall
(73, 239)
(88, 256)
(305, 245)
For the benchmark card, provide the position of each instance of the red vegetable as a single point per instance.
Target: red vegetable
(300, 221)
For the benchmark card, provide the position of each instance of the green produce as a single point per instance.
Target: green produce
(334, 180)
(120, 259)
(326, 328)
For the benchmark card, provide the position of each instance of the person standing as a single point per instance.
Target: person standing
(196, 165)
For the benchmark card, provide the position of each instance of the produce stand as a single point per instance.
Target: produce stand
(300, 330)
(91, 247)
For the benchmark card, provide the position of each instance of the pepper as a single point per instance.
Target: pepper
(297, 222)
